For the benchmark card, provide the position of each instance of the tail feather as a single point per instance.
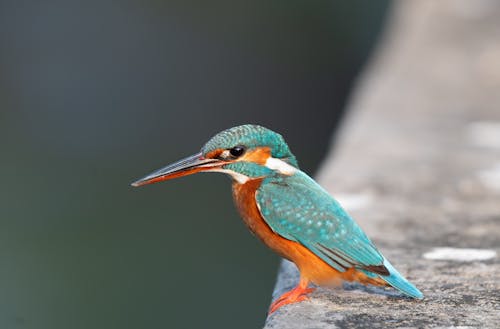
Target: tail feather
(396, 280)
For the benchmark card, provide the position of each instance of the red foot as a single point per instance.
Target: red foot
(295, 295)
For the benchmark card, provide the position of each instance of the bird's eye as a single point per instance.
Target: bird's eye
(237, 151)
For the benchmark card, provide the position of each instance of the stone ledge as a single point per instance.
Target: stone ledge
(418, 165)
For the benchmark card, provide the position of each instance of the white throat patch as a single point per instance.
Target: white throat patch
(280, 166)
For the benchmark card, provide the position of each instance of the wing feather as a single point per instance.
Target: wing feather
(298, 209)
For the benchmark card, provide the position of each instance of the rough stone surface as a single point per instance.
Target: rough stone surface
(418, 165)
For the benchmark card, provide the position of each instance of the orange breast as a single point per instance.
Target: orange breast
(311, 266)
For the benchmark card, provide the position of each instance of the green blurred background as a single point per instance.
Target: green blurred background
(94, 94)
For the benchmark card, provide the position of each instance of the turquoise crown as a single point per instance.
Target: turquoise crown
(251, 136)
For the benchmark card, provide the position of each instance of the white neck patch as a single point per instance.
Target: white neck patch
(280, 166)
(240, 178)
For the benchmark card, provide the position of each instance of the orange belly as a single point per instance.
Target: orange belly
(311, 267)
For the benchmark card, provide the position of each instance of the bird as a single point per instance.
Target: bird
(289, 212)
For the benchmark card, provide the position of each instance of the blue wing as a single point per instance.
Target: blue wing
(298, 209)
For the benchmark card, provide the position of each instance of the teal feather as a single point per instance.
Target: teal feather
(298, 209)
(396, 280)
(251, 136)
(249, 169)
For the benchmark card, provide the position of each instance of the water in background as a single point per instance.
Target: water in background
(94, 94)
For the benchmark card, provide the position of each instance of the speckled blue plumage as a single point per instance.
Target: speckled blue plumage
(251, 136)
(249, 169)
(300, 210)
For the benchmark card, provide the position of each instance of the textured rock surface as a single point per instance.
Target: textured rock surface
(418, 165)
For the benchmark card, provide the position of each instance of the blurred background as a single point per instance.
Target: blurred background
(95, 94)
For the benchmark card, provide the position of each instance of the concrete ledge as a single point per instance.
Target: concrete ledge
(418, 165)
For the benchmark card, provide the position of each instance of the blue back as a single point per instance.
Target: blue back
(300, 210)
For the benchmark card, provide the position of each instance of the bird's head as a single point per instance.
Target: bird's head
(244, 152)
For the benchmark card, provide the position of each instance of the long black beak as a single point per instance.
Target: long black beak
(184, 167)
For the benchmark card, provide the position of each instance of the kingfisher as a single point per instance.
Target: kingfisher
(289, 212)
